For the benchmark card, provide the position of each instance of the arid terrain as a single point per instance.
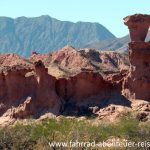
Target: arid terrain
(67, 82)
(71, 93)
(78, 82)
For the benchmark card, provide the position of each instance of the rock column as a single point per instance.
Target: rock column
(137, 83)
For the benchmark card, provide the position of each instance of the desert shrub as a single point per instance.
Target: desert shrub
(37, 136)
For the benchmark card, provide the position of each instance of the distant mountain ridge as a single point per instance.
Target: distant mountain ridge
(43, 34)
(119, 44)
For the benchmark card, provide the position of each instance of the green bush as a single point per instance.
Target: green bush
(38, 135)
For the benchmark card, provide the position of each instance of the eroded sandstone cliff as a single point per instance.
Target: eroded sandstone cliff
(29, 89)
(137, 82)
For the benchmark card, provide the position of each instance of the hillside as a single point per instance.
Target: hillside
(119, 44)
(70, 61)
(43, 34)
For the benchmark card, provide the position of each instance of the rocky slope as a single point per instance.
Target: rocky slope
(70, 61)
(43, 34)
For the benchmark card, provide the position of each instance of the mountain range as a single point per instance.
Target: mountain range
(118, 44)
(43, 34)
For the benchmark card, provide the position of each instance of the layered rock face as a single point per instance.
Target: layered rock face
(27, 92)
(29, 89)
(88, 89)
(137, 83)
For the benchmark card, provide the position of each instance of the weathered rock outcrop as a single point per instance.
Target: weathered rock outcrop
(87, 90)
(137, 82)
(71, 61)
(25, 93)
(45, 91)
(34, 92)
(85, 86)
(138, 26)
(14, 86)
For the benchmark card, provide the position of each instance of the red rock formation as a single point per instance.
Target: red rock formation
(83, 87)
(89, 89)
(34, 92)
(46, 97)
(17, 86)
(138, 26)
(72, 61)
(137, 82)
(29, 89)
(14, 60)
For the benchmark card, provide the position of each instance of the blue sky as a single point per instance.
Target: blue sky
(107, 12)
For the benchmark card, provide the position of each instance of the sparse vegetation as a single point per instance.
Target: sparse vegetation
(37, 136)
